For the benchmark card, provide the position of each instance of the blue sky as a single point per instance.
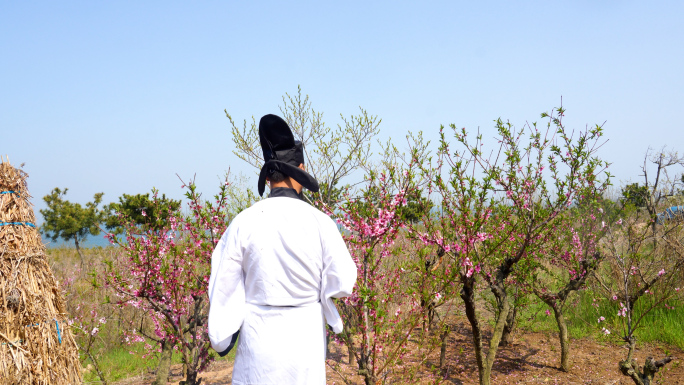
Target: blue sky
(120, 96)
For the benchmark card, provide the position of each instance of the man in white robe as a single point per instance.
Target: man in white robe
(274, 273)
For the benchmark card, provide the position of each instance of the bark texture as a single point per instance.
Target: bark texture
(164, 364)
(641, 376)
(564, 338)
(484, 362)
(507, 336)
(468, 296)
(442, 350)
(352, 358)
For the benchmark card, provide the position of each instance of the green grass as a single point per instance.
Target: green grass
(118, 364)
(664, 325)
(659, 325)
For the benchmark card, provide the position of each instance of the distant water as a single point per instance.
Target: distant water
(91, 241)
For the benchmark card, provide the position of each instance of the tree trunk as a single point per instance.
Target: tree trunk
(190, 368)
(468, 296)
(164, 364)
(630, 368)
(352, 358)
(365, 354)
(432, 310)
(442, 350)
(484, 363)
(651, 367)
(506, 337)
(563, 337)
(191, 379)
(97, 367)
(78, 250)
(496, 338)
(368, 377)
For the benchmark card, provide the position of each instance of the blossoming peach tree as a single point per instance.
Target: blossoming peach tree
(569, 261)
(382, 313)
(643, 275)
(165, 272)
(84, 318)
(499, 212)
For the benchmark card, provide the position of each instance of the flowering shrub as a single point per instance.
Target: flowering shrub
(165, 273)
(499, 213)
(644, 261)
(567, 263)
(84, 319)
(382, 313)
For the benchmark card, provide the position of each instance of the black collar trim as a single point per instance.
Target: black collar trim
(283, 192)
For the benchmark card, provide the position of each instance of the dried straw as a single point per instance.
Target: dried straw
(31, 304)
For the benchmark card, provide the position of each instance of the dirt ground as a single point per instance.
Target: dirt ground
(531, 359)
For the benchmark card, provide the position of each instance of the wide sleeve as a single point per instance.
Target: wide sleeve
(226, 291)
(339, 273)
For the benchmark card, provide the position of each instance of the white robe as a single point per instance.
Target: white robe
(273, 276)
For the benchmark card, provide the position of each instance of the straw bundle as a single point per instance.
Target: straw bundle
(36, 344)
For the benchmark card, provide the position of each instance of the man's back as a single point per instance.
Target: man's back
(282, 250)
(274, 273)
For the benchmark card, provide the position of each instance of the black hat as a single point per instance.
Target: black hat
(282, 153)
